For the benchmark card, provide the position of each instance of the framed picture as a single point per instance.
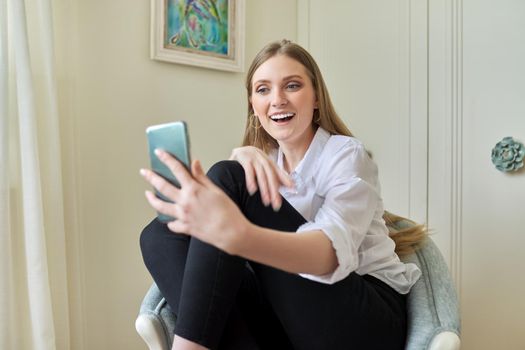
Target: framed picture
(205, 33)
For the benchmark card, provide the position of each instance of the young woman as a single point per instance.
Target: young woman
(284, 246)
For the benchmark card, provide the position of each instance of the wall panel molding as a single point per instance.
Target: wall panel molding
(457, 140)
(446, 130)
(418, 109)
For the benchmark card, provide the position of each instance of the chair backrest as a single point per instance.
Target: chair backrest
(432, 305)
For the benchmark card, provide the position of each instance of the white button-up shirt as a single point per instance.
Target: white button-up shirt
(337, 191)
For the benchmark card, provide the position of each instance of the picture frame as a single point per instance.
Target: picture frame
(203, 33)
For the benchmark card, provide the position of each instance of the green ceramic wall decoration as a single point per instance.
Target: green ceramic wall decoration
(508, 155)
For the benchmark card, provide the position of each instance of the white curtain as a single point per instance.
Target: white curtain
(33, 275)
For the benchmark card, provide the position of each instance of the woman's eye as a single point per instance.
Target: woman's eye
(293, 86)
(262, 90)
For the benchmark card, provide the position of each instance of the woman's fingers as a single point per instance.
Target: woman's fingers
(266, 181)
(249, 174)
(160, 184)
(178, 226)
(262, 173)
(171, 209)
(161, 206)
(274, 185)
(199, 175)
(176, 167)
(244, 155)
(262, 182)
(275, 177)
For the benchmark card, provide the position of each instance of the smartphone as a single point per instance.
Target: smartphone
(174, 139)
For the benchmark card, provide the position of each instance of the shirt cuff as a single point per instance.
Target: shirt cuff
(347, 262)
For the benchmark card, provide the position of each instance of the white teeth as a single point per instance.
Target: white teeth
(281, 116)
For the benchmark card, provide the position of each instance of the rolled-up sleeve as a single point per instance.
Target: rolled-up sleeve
(351, 197)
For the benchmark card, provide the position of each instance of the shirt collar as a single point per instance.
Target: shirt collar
(306, 167)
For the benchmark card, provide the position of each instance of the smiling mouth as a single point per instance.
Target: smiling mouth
(281, 118)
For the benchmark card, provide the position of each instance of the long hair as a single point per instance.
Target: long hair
(325, 116)
(408, 238)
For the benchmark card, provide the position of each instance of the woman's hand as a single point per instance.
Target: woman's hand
(202, 209)
(262, 173)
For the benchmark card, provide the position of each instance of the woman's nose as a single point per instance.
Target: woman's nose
(278, 98)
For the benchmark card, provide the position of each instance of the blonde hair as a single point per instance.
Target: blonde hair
(406, 234)
(325, 116)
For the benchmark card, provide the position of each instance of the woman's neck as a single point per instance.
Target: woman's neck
(294, 153)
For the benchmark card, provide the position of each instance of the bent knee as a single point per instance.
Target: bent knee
(152, 236)
(225, 169)
(229, 176)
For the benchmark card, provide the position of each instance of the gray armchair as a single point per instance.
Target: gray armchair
(433, 315)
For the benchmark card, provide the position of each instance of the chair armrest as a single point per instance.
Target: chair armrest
(156, 321)
(445, 341)
(150, 329)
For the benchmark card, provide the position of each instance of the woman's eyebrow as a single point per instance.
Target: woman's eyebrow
(295, 76)
(289, 77)
(261, 81)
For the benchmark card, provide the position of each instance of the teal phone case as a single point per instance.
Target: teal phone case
(172, 138)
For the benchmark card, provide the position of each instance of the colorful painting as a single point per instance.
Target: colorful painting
(205, 33)
(201, 25)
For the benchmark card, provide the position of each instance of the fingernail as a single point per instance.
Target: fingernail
(158, 152)
(276, 207)
(143, 172)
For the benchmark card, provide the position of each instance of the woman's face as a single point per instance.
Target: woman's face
(284, 100)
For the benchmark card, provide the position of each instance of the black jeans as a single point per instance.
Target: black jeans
(226, 302)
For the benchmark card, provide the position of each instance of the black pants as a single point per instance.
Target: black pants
(225, 302)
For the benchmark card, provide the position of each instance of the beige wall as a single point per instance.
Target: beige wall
(375, 69)
(110, 91)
